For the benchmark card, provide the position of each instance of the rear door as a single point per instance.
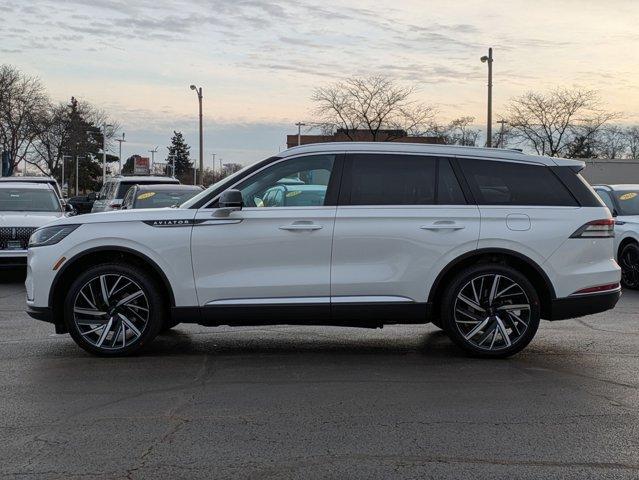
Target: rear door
(400, 219)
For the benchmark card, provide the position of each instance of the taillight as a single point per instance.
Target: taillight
(596, 229)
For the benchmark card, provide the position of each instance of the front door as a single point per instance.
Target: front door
(276, 251)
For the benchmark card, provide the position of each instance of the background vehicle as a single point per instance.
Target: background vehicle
(83, 203)
(158, 196)
(623, 202)
(483, 243)
(48, 180)
(23, 208)
(113, 191)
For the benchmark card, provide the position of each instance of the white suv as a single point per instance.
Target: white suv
(24, 206)
(623, 202)
(481, 242)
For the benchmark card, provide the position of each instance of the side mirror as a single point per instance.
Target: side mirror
(70, 209)
(92, 197)
(230, 201)
(614, 212)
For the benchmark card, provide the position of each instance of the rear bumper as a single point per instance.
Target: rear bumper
(40, 313)
(581, 305)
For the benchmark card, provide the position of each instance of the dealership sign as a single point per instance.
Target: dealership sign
(141, 166)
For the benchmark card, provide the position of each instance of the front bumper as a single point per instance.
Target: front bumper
(13, 258)
(581, 305)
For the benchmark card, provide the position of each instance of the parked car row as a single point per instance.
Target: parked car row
(27, 203)
(484, 243)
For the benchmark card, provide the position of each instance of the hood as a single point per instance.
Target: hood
(28, 219)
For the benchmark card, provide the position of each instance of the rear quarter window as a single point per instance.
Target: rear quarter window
(510, 183)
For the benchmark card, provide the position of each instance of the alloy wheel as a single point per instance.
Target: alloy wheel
(629, 263)
(492, 312)
(111, 311)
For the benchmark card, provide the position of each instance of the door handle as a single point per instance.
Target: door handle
(443, 226)
(301, 226)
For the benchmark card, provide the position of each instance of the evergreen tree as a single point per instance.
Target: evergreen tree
(179, 152)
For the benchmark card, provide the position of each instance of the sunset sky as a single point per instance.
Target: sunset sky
(258, 61)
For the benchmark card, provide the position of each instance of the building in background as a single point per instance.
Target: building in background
(360, 136)
(600, 170)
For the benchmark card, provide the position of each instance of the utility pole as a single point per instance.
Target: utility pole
(152, 152)
(172, 158)
(104, 136)
(489, 120)
(213, 155)
(77, 174)
(120, 141)
(501, 133)
(299, 132)
(199, 98)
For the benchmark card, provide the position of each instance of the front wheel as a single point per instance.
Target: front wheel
(114, 309)
(491, 311)
(629, 263)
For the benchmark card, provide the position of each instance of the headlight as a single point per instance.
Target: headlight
(50, 235)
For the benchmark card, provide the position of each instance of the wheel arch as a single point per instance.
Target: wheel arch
(624, 242)
(97, 255)
(526, 265)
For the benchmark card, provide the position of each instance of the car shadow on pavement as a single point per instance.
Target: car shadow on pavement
(12, 275)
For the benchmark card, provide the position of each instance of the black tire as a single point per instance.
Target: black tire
(141, 281)
(460, 319)
(629, 263)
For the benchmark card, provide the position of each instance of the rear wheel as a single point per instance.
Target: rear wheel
(629, 263)
(114, 309)
(491, 311)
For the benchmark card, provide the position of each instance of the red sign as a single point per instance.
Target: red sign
(141, 166)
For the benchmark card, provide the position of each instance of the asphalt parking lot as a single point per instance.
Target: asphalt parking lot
(294, 402)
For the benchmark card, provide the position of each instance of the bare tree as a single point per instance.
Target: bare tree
(23, 103)
(460, 131)
(632, 139)
(612, 142)
(561, 123)
(374, 104)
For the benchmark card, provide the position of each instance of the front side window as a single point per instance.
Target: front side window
(28, 200)
(298, 182)
(510, 183)
(391, 179)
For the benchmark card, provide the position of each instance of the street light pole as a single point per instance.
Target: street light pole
(77, 171)
(152, 152)
(104, 135)
(299, 132)
(199, 98)
(501, 133)
(489, 120)
(120, 141)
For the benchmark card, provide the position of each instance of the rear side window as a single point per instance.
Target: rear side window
(506, 183)
(387, 179)
(605, 196)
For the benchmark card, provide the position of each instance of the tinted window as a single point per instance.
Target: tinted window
(296, 182)
(388, 179)
(28, 200)
(605, 196)
(506, 183)
(448, 190)
(628, 201)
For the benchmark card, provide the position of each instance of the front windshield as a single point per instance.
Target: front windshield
(163, 198)
(28, 200)
(628, 201)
